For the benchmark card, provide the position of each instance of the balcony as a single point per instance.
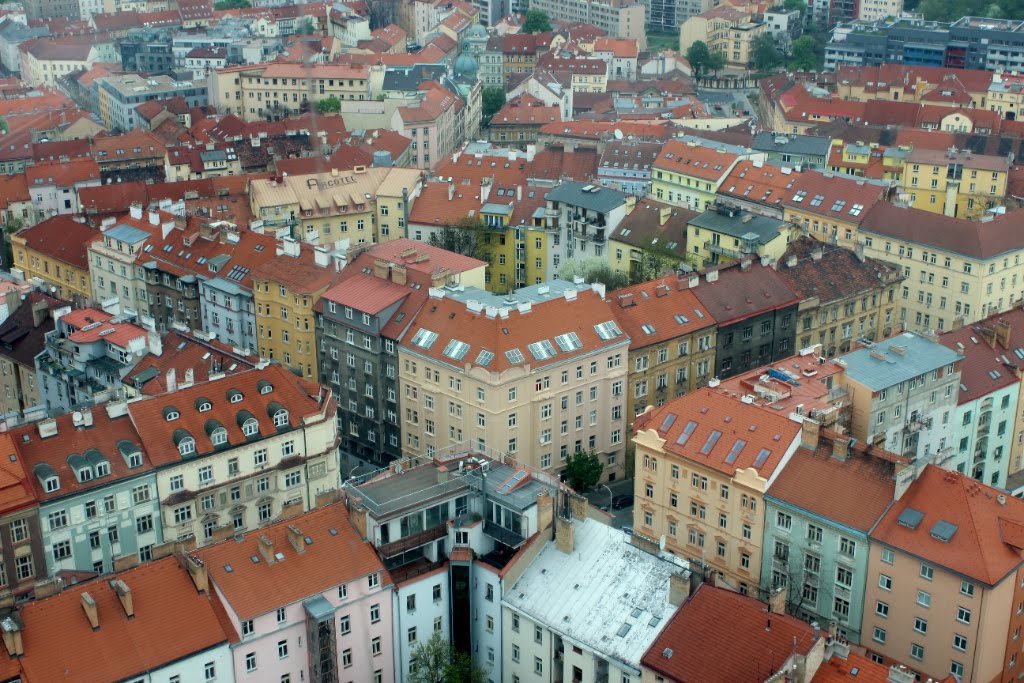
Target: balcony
(503, 535)
(916, 424)
(415, 540)
(722, 251)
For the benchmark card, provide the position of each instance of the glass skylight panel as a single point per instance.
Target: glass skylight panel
(856, 209)
(568, 342)
(669, 420)
(687, 432)
(608, 330)
(681, 319)
(542, 350)
(456, 350)
(762, 456)
(734, 453)
(818, 200)
(485, 357)
(424, 338)
(838, 205)
(710, 443)
(647, 328)
(515, 356)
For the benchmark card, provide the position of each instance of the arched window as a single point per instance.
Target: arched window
(281, 418)
(204, 406)
(219, 437)
(251, 427)
(170, 414)
(187, 446)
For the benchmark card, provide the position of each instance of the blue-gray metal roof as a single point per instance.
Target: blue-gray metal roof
(896, 360)
(126, 233)
(792, 144)
(740, 224)
(595, 197)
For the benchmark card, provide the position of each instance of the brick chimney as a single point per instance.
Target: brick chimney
(678, 588)
(124, 594)
(92, 612)
(810, 433)
(564, 534)
(296, 538)
(777, 601)
(11, 627)
(545, 510)
(266, 549)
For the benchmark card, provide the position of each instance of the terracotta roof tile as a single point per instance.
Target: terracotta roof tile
(836, 274)
(63, 173)
(526, 110)
(165, 602)
(695, 160)
(300, 274)
(719, 635)
(978, 549)
(821, 193)
(711, 412)
(61, 238)
(853, 668)
(657, 305)
(739, 294)
(15, 482)
(758, 183)
(158, 436)
(328, 560)
(182, 352)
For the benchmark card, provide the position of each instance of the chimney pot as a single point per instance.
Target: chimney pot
(266, 548)
(124, 594)
(91, 611)
(296, 538)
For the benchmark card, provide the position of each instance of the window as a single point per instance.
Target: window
(346, 658)
(847, 546)
(58, 519)
(959, 641)
(61, 551)
(879, 635)
(282, 649)
(885, 582)
(924, 599)
(813, 533)
(250, 662)
(281, 616)
(920, 625)
(963, 615)
(411, 635)
(538, 666)
(844, 576)
(927, 572)
(888, 556)
(374, 614)
(783, 521)
(917, 651)
(345, 625)
(966, 588)
(375, 646)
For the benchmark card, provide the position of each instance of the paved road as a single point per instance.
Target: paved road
(728, 99)
(599, 498)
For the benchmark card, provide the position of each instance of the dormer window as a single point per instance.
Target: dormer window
(187, 446)
(281, 418)
(130, 452)
(251, 427)
(235, 396)
(264, 386)
(84, 475)
(171, 414)
(102, 469)
(51, 484)
(135, 460)
(203, 405)
(219, 437)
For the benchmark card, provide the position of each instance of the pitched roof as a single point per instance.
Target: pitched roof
(15, 488)
(165, 602)
(696, 160)
(853, 492)
(160, 436)
(654, 223)
(654, 312)
(740, 293)
(719, 635)
(20, 337)
(300, 274)
(526, 110)
(722, 432)
(183, 352)
(753, 181)
(63, 173)
(980, 547)
(984, 367)
(834, 196)
(836, 273)
(333, 555)
(62, 238)
(975, 239)
(853, 668)
(112, 438)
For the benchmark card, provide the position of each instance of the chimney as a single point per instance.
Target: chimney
(91, 611)
(296, 538)
(816, 254)
(154, 218)
(124, 594)
(321, 256)
(904, 478)
(841, 447)
(564, 534)
(791, 261)
(451, 191)
(11, 627)
(858, 250)
(777, 602)
(266, 548)
(1003, 333)
(678, 588)
(135, 211)
(40, 312)
(578, 506)
(380, 268)
(399, 275)
(172, 381)
(545, 509)
(664, 213)
(810, 432)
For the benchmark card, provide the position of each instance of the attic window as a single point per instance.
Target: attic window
(647, 328)
(838, 205)
(687, 431)
(235, 396)
(568, 342)
(171, 414)
(762, 457)
(52, 484)
(281, 418)
(681, 319)
(515, 356)
(607, 330)
(485, 357)
(203, 405)
(818, 200)
(456, 350)
(856, 209)
(799, 196)
(710, 443)
(542, 350)
(264, 386)
(424, 338)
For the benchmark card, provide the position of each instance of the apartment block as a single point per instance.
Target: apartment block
(21, 537)
(539, 374)
(55, 251)
(112, 259)
(726, 233)
(119, 95)
(844, 296)
(280, 89)
(358, 324)
(726, 29)
(233, 453)
(934, 601)
(703, 465)
(98, 504)
(956, 271)
(818, 514)
(25, 329)
(903, 394)
(672, 343)
(830, 207)
(585, 215)
(305, 595)
(617, 18)
(689, 174)
(954, 182)
(364, 205)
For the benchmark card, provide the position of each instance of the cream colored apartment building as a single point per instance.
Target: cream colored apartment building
(955, 271)
(703, 464)
(955, 182)
(233, 453)
(278, 90)
(540, 375)
(366, 205)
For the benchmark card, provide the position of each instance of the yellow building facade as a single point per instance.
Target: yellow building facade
(55, 251)
(954, 183)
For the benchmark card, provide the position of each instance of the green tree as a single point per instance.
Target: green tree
(583, 470)
(536, 22)
(328, 105)
(232, 4)
(463, 237)
(766, 55)
(699, 57)
(436, 661)
(493, 98)
(593, 270)
(716, 61)
(805, 55)
(655, 262)
(798, 5)
(306, 28)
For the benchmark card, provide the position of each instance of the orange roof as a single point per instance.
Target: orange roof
(334, 555)
(300, 274)
(526, 110)
(15, 485)
(132, 145)
(619, 47)
(427, 259)
(853, 668)
(821, 193)
(118, 334)
(434, 206)
(657, 306)
(80, 317)
(719, 635)
(747, 435)
(757, 183)
(172, 621)
(159, 435)
(61, 238)
(979, 547)
(695, 160)
(112, 437)
(182, 352)
(508, 337)
(63, 173)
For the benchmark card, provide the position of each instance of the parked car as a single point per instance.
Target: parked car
(623, 501)
(628, 530)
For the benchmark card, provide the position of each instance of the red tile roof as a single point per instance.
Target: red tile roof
(710, 412)
(114, 438)
(300, 274)
(822, 191)
(63, 173)
(853, 668)
(55, 49)
(695, 160)
(984, 368)
(979, 548)
(526, 110)
(158, 435)
(836, 273)
(334, 556)
(426, 259)
(719, 635)
(658, 305)
(758, 183)
(118, 334)
(165, 602)
(738, 294)
(182, 352)
(61, 238)
(15, 483)
(854, 492)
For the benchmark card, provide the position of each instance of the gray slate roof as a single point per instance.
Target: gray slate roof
(807, 145)
(602, 200)
(915, 355)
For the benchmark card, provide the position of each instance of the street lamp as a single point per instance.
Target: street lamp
(605, 487)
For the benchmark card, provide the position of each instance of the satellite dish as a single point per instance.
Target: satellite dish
(618, 134)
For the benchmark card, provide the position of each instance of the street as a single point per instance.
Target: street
(600, 497)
